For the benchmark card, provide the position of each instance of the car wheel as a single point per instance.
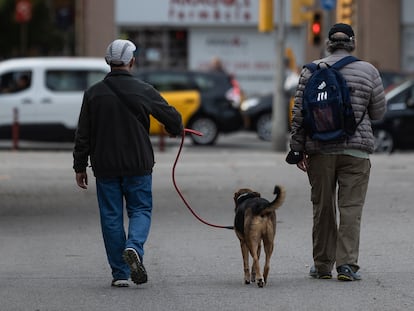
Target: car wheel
(208, 127)
(384, 143)
(264, 127)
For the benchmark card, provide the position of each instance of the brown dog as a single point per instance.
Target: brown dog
(254, 222)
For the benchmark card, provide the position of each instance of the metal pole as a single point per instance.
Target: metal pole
(15, 129)
(79, 28)
(23, 38)
(280, 115)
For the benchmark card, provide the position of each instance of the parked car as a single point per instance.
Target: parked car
(396, 129)
(45, 94)
(218, 111)
(257, 113)
(392, 78)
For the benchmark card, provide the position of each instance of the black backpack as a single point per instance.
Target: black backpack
(327, 110)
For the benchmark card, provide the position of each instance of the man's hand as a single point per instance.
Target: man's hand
(303, 164)
(82, 180)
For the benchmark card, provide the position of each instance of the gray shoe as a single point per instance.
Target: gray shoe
(120, 283)
(138, 272)
(345, 273)
(313, 272)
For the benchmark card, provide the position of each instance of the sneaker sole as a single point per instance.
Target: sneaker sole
(119, 284)
(321, 277)
(344, 277)
(138, 273)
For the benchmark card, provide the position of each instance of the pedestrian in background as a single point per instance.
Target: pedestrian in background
(216, 65)
(113, 132)
(338, 171)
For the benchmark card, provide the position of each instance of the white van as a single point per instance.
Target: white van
(46, 93)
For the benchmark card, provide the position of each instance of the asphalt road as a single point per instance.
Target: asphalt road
(52, 255)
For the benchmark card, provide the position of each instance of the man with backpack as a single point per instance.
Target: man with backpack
(331, 139)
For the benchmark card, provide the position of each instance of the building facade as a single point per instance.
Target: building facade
(189, 33)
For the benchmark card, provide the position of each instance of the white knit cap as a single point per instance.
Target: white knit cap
(120, 52)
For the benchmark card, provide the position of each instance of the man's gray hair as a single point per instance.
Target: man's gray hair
(347, 44)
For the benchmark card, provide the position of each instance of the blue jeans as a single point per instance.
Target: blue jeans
(137, 192)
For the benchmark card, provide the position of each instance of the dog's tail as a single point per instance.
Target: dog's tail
(280, 193)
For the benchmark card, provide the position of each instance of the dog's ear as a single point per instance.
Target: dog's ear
(236, 195)
(239, 193)
(255, 194)
(243, 191)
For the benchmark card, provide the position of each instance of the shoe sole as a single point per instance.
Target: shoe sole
(345, 273)
(138, 272)
(321, 277)
(348, 278)
(121, 284)
(313, 273)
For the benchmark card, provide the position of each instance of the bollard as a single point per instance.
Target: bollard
(162, 141)
(15, 129)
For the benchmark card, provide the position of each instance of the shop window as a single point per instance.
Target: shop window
(160, 48)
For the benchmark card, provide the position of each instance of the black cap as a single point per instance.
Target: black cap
(340, 27)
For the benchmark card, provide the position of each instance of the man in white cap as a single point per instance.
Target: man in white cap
(113, 133)
(338, 170)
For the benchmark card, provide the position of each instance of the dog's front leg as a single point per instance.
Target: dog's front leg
(268, 251)
(245, 254)
(253, 273)
(254, 247)
(256, 269)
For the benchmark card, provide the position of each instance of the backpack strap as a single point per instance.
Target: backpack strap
(344, 61)
(311, 66)
(338, 65)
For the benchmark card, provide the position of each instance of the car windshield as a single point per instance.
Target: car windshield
(390, 78)
(400, 93)
(205, 83)
(170, 81)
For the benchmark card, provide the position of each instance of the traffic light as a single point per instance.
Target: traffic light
(316, 28)
(301, 11)
(266, 23)
(345, 11)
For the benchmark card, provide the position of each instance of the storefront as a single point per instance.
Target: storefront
(190, 33)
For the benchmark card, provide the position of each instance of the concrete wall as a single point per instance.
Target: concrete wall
(378, 30)
(378, 33)
(95, 26)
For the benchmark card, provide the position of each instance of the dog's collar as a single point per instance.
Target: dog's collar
(245, 196)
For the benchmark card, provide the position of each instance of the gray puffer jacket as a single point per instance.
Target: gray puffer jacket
(367, 93)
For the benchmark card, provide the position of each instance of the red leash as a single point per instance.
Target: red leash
(179, 191)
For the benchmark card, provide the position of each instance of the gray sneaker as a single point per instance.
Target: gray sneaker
(120, 283)
(138, 272)
(313, 272)
(345, 273)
